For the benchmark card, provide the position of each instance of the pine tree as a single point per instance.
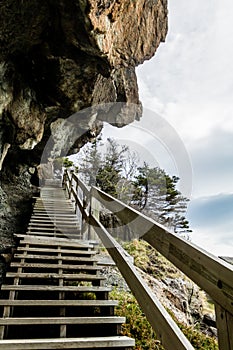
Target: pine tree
(147, 189)
(156, 194)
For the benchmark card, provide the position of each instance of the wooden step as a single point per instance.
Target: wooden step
(58, 250)
(61, 320)
(54, 231)
(52, 225)
(56, 234)
(68, 343)
(51, 275)
(84, 303)
(55, 266)
(50, 212)
(48, 221)
(53, 241)
(31, 238)
(62, 199)
(74, 259)
(43, 215)
(42, 288)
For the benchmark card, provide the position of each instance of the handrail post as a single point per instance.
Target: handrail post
(225, 328)
(71, 183)
(94, 211)
(84, 221)
(76, 191)
(64, 179)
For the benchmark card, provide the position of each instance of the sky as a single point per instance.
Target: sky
(188, 85)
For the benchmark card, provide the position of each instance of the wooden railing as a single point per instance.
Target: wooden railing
(212, 274)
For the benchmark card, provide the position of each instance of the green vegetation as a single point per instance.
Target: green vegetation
(149, 260)
(139, 328)
(116, 170)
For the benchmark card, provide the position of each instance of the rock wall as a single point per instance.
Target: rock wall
(58, 57)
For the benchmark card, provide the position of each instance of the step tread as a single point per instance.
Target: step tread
(72, 276)
(31, 237)
(62, 251)
(56, 288)
(67, 343)
(7, 302)
(63, 242)
(61, 320)
(52, 257)
(60, 224)
(55, 266)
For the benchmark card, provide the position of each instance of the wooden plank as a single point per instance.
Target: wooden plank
(82, 243)
(82, 185)
(55, 228)
(52, 224)
(52, 275)
(55, 266)
(51, 235)
(61, 320)
(84, 303)
(50, 243)
(166, 329)
(63, 242)
(63, 251)
(225, 328)
(47, 221)
(67, 343)
(44, 214)
(49, 199)
(42, 288)
(211, 273)
(51, 257)
(62, 310)
(53, 205)
(54, 209)
(56, 234)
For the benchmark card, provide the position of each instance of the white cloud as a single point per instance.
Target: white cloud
(212, 222)
(190, 83)
(192, 73)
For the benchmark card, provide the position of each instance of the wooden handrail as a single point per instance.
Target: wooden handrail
(212, 274)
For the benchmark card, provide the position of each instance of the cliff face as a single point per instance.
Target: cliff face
(59, 57)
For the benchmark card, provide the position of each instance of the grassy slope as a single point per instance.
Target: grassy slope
(137, 326)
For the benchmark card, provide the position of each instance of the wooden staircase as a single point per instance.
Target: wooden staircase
(53, 296)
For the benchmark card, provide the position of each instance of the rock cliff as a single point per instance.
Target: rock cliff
(59, 57)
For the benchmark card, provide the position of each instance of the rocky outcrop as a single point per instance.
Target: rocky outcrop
(59, 57)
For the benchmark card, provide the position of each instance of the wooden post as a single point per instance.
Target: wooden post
(76, 191)
(84, 223)
(94, 211)
(225, 328)
(70, 184)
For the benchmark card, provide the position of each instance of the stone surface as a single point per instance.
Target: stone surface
(59, 57)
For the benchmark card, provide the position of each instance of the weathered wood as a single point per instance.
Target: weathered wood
(73, 243)
(52, 275)
(225, 328)
(55, 266)
(62, 320)
(40, 288)
(57, 233)
(63, 251)
(84, 303)
(67, 343)
(51, 224)
(51, 257)
(166, 329)
(48, 221)
(48, 230)
(82, 185)
(211, 273)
